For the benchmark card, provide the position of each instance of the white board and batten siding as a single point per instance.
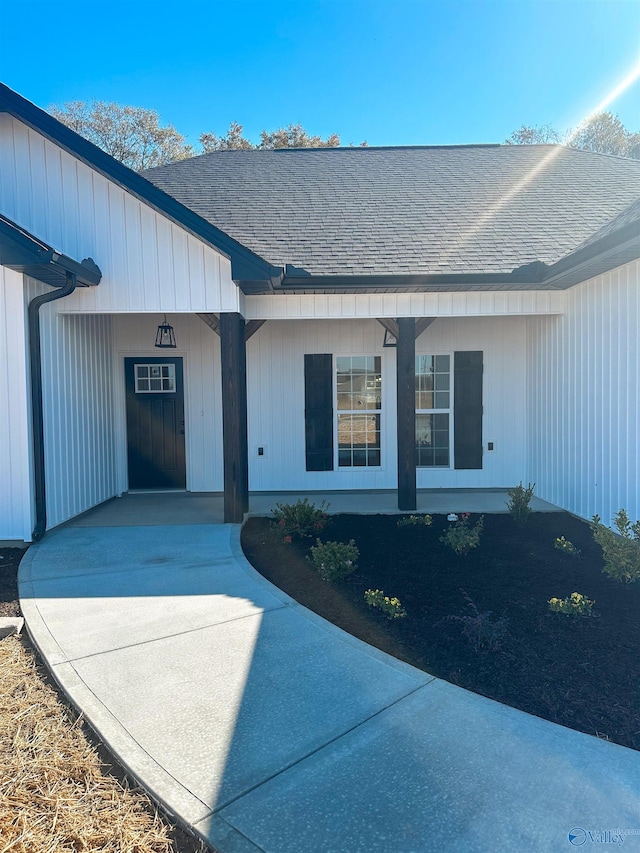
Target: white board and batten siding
(148, 263)
(584, 404)
(16, 510)
(275, 377)
(78, 402)
(339, 306)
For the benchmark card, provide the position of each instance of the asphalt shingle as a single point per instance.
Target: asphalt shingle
(403, 211)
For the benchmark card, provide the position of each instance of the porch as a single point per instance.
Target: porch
(170, 508)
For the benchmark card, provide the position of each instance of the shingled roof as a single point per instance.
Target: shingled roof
(407, 211)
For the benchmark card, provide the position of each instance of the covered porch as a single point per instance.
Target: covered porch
(143, 509)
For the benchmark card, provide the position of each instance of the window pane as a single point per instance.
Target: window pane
(359, 385)
(143, 385)
(442, 381)
(358, 440)
(156, 384)
(442, 364)
(432, 440)
(442, 400)
(142, 369)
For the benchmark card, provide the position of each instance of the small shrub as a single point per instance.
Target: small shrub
(621, 550)
(300, 519)
(518, 505)
(415, 520)
(461, 537)
(334, 559)
(391, 607)
(568, 548)
(483, 631)
(575, 605)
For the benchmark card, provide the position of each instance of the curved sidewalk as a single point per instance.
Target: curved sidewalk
(268, 729)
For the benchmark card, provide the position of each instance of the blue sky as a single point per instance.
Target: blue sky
(393, 72)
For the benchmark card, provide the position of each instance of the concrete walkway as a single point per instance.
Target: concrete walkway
(269, 730)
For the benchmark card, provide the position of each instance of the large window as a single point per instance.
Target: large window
(359, 405)
(433, 411)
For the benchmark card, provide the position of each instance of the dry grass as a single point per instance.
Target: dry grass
(54, 796)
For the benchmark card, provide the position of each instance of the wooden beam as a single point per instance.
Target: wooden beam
(391, 325)
(251, 327)
(233, 357)
(423, 323)
(212, 321)
(406, 412)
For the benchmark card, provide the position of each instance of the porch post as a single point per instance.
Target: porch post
(234, 417)
(406, 410)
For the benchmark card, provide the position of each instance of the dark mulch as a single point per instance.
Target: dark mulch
(9, 562)
(583, 673)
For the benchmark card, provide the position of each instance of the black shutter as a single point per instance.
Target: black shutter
(467, 409)
(318, 411)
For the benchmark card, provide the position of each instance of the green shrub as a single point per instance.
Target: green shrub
(414, 520)
(518, 505)
(576, 605)
(461, 537)
(568, 548)
(483, 631)
(301, 518)
(391, 607)
(334, 559)
(621, 550)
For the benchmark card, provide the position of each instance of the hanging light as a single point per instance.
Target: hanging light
(165, 337)
(389, 339)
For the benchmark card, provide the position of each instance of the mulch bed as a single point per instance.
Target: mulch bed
(581, 672)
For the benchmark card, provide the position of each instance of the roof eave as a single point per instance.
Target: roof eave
(25, 253)
(613, 250)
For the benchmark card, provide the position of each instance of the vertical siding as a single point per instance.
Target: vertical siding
(200, 349)
(148, 262)
(584, 400)
(16, 516)
(275, 367)
(291, 306)
(80, 448)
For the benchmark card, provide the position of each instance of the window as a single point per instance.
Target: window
(359, 404)
(155, 378)
(433, 411)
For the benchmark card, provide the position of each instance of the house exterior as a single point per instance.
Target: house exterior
(506, 279)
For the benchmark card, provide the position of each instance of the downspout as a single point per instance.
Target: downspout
(37, 419)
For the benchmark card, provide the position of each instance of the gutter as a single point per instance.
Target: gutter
(37, 420)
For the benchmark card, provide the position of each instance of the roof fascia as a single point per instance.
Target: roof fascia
(400, 283)
(611, 251)
(21, 251)
(245, 264)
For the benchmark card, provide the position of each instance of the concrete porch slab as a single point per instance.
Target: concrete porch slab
(435, 501)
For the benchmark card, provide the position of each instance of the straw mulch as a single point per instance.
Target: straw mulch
(54, 796)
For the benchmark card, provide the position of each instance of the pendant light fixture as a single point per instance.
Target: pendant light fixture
(165, 337)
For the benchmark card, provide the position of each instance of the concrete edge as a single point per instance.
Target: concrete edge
(10, 625)
(407, 669)
(224, 835)
(175, 799)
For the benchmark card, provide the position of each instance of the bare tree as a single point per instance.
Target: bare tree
(233, 140)
(603, 133)
(132, 135)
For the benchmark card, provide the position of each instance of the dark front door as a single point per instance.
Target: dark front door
(155, 423)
